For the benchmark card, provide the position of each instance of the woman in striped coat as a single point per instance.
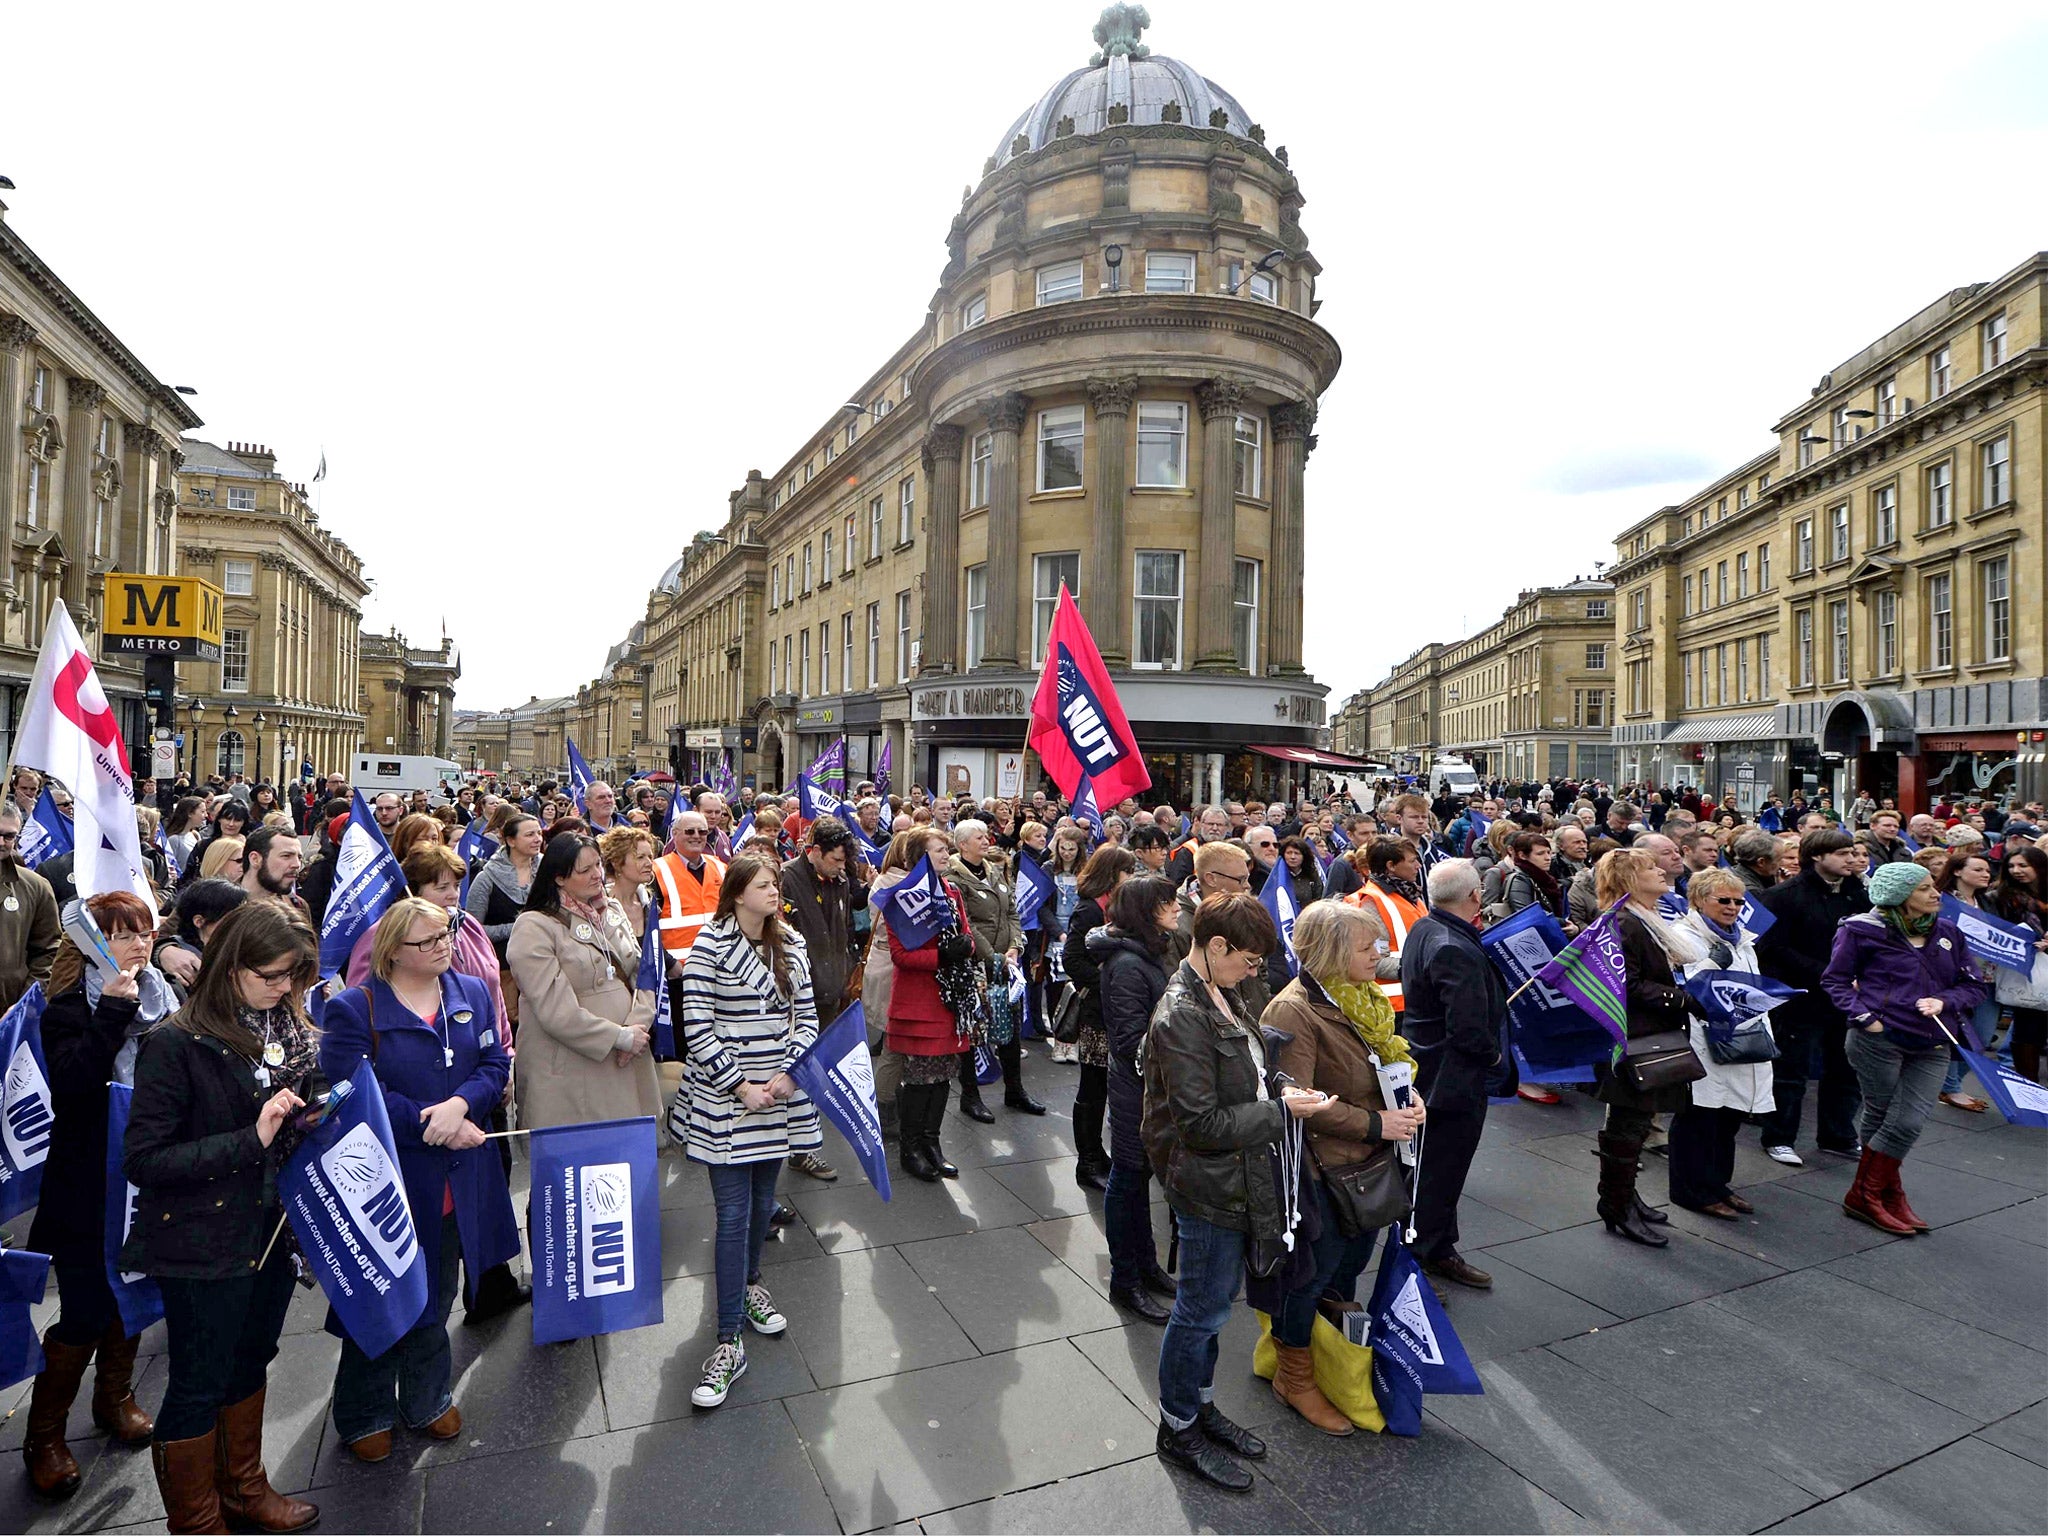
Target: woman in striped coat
(747, 1014)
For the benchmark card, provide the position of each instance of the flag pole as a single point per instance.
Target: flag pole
(279, 1232)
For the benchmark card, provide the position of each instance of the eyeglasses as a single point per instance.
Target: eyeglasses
(693, 832)
(446, 936)
(275, 978)
(1726, 901)
(10, 837)
(1233, 879)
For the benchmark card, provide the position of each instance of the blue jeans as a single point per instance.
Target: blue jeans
(1340, 1260)
(1127, 1220)
(745, 1194)
(410, 1380)
(222, 1336)
(1211, 1269)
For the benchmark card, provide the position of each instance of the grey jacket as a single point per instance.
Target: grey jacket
(498, 876)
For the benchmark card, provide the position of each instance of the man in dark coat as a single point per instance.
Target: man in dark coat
(818, 900)
(1454, 1018)
(1795, 949)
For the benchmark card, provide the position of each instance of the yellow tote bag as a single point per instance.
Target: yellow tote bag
(1343, 1370)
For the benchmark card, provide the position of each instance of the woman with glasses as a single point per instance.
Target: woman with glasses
(436, 1043)
(1702, 1139)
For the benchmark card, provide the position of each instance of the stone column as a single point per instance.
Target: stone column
(80, 434)
(1105, 580)
(1219, 400)
(941, 650)
(138, 498)
(1005, 532)
(1293, 437)
(15, 336)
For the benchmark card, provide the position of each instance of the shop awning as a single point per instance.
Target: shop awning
(1309, 757)
(1758, 725)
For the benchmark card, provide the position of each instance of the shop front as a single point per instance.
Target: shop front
(704, 751)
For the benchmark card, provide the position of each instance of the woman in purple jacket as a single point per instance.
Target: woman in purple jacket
(1900, 973)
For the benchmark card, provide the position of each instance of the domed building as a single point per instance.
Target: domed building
(1114, 389)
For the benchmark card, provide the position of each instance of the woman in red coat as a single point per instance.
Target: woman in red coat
(934, 985)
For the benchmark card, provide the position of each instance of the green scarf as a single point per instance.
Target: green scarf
(1911, 927)
(1366, 1006)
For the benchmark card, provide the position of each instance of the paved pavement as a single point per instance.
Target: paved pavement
(952, 1364)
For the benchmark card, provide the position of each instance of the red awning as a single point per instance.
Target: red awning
(1309, 757)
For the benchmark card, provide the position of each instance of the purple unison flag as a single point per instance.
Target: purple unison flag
(1590, 972)
(882, 768)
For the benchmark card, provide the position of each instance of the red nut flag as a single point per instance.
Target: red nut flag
(1078, 728)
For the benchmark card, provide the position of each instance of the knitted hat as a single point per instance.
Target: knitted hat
(1891, 884)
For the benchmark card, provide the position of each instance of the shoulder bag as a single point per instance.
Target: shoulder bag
(1369, 1195)
(1066, 1016)
(1663, 1060)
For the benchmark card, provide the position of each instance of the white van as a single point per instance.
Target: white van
(374, 773)
(1452, 774)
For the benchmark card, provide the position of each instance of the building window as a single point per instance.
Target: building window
(1838, 641)
(1742, 574)
(1249, 464)
(789, 578)
(1998, 609)
(239, 578)
(1802, 545)
(1995, 459)
(788, 664)
(1639, 602)
(807, 568)
(1638, 687)
(35, 488)
(1264, 287)
(1589, 707)
(1802, 625)
(241, 498)
(1721, 694)
(1244, 614)
(1886, 633)
(1688, 595)
(825, 657)
(825, 556)
(1596, 656)
(1169, 272)
(1888, 401)
(852, 428)
(1994, 341)
(1059, 283)
(831, 450)
(803, 671)
(774, 586)
(1763, 665)
(1941, 620)
(229, 754)
(974, 312)
(902, 637)
(1155, 613)
(234, 661)
(875, 529)
(980, 456)
(1742, 671)
(1741, 497)
(874, 645)
(1162, 444)
(906, 510)
(1838, 533)
(1048, 572)
(1763, 567)
(1685, 665)
(1940, 376)
(1721, 584)
(1941, 494)
(1597, 609)
(852, 532)
(977, 613)
(846, 650)
(1060, 434)
(1884, 516)
(771, 666)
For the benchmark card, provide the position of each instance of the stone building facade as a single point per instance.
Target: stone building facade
(1862, 606)
(408, 696)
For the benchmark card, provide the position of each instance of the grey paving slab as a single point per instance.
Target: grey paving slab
(1519, 1312)
(1080, 1243)
(1545, 1193)
(1625, 1278)
(117, 1487)
(1999, 1283)
(1013, 1138)
(648, 1373)
(930, 1440)
(689, 1239)
(1610, 1456)
(1048, 1187)
(1807, 1417)
(1910, 1345)
(866, 1313)
(1941, 1195)
(1129, 1356)
(2014, 1154)
(1006, 1289)
(683, 1183)
(1791, 1228)
(1439, 1481)
(858, 1218)
(2024, 1433)
(1963, 1488)
(664, 1477)
(1481, 1226)
(2028, 1222)
(1139, 1495)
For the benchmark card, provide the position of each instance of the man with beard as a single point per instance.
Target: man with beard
(271, 861)
(28, 916)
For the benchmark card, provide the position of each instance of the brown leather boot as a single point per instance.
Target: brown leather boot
(1892, 1193)
(246, 1497)
(1294, 1383)
(1865, 1199)
(52, 1469)
(184, 1476)
(114, 1407)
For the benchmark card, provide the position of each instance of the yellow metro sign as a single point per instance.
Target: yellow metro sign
(162, 616)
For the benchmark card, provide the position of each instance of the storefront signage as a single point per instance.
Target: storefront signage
(701, 741)
(162, 616)
(973, 703)
(1304, 709)
(817, 717)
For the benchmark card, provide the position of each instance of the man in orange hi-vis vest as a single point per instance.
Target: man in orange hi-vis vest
(689, 880)
(1392, 890)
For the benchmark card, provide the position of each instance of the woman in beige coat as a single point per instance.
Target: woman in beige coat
(583, 1033)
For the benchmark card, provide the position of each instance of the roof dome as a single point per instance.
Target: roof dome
(1128, 75)
(672, 578)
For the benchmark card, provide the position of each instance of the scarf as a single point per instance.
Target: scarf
(154, 1003)
(1372, 1015)
(1908, 927)
(1721, 942)
(1547, 889)
(1407, 890)
(959, 982)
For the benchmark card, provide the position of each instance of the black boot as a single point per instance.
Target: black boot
(498, 1290)
(1234, 1438)
(1192, 1449)
(934, 1122)
(890, 1119)
(1650, 1213)
(970, 1093)
(1014, 1096)
(1620, 1158)
(1092, 1169)
(911, 1110)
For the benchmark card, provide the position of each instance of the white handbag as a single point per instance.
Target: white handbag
(2016, 991)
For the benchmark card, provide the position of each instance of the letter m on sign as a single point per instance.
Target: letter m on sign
(145, 613)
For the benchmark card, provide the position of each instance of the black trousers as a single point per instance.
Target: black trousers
(1448, 1144)
(86, 1308)
(1839, 1099)
(223, 1336)
(1702, 1154)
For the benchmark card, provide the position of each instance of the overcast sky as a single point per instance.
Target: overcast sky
(545, 283)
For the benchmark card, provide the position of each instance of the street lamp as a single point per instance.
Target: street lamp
(195, 709)
(258, 759)
(230, 714)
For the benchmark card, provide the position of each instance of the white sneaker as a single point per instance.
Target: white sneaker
(728, 1363)
(761, 1312)
(1786, 1156)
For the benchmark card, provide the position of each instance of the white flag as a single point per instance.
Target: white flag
(321, 473)
(69, 730)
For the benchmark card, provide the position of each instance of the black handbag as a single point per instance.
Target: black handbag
(1369, 1195)
(1663, 1060)
(1066, 1017)
(1749, 1042)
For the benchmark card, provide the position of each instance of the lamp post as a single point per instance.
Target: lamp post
(230, 715)
(258, 759)
(195, 709)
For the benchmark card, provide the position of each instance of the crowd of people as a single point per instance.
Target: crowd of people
(566, 930)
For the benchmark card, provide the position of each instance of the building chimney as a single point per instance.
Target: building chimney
(262, 458)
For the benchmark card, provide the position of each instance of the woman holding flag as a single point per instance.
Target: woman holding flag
(932, 999)
(747, 1014)
(983, 880)
(1702, 1143)
(436, 1042)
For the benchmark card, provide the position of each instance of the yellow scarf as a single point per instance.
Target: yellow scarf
(1366, 1006)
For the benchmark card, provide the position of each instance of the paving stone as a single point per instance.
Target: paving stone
(2010, 1154)
(1911, 1345)
(2024, 1433)
(1625, 1278)
(1005, 1289)
(866, 1313)
(1611, 1457)
(844, 1219)
(1519, 1312)
(1014, 1138)
(664, 1477)
(1963, 1488)
(1802, 1415)
(1481, 1226)
(1081, 1244)
(1048, 1187)
(929, 1440)
(1545, 1193)
(2028, 1222)
(118, 1486)
(1791, 1228)
(1140, 1495)
(649, 1373)
(689, 1239)
(1129, 1356)
(1999, 1280)
(1940, 1195)
(683, 1183)
(1438, 1481)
